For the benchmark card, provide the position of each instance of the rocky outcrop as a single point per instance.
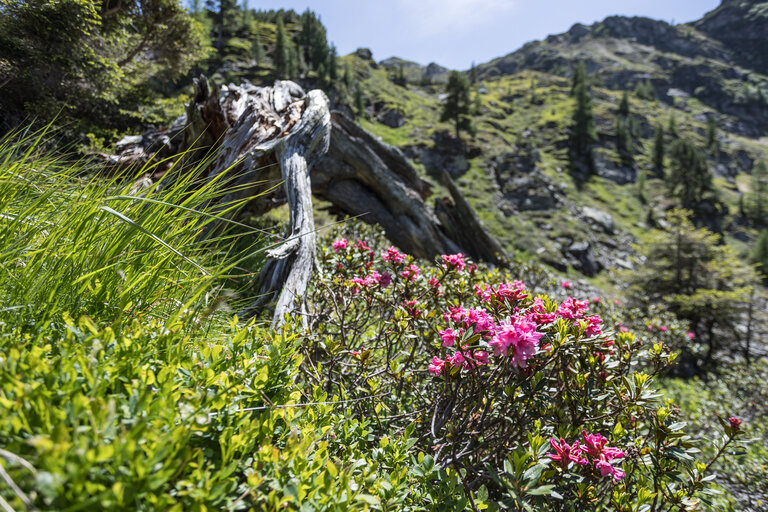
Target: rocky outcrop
(742, 26)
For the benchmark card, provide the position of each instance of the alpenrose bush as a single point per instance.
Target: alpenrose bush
(537, 403)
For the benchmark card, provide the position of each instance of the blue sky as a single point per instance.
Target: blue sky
(455, 33)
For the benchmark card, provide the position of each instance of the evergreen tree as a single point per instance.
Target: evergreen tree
(257, 50)
(641, 187)
(347, 75)
(359, 101)
(658, 150)
(333, 65)
(759, 191)
(711, 133)
(624, 105)
(672, 126)
(227, 21)
(458, 105)
(645, 91)
(689, 179)
(692, 274)
(472, 74)
(583, 130)
(281, 55)
(579, 77)
(759, 254)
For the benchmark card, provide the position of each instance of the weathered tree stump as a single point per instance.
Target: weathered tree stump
(259, 137)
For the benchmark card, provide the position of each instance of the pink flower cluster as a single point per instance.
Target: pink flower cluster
(374, 278)
(454, 261)
(340, 245)
(519, 334)
(596, 452)
(411, 273)
(572, 309)
(505, 291)
(393, 255)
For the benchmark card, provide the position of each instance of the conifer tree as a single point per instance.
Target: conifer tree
(759, 191)
(458, 105)
(359, 101)
(583, 130)
(711, 133)
(281, 55)
(347, 77)
(689, 178)
(689, 272)
(658, 150)
(672, 126)
(333, 65)
(624, 105)
(759, 254)
(624, 144)
(257, 50)
(472, 74)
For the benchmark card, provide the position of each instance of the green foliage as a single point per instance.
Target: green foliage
(583, 129)
(688, 271)
(759, 254)
(689, 178)
(624, 105)
(282, 52)
(359, 102)
(645, 91)
(624, 142)
(758, 197)
(90, 61)
(712, 144)
(458, 105)
(658, 150)
(257, 48)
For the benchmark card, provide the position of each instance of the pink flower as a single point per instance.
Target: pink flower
(596, 300)
(623, 329)
(454, 261)
(456, 315)
(436, 366)
(340, 245)
(691, 335)
(593, 326)
(362, 245)
(572, 309)
(434, 283)
(482, 321)
(481, 357)
(565, 453)
(566, 284)
(393, 255)
(663, 328)
(595, 446)
(606, 469)
(539, 312)
(735, 423)
(411, 307)
(384, 279)
(520, 334)
(355, 352)
(505, 291)
(448, 337)
(457, 360)
(411, 273)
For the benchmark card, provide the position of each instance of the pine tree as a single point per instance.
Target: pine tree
(333, 65)
(458, 104)
(692, 274)
(579, 77)
(257, 50)
(645, 91)
(281, 54)
(672, 126)
(583, 130)
(711, 133)
(472, 74)
(658, 150)
(359, 102)
(228, 21)
(347, 75)
(624, 105)
(759, 192)
(759, 254)
(641, 187)
(689, 179)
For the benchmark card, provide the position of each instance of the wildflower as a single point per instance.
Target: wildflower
(393, 255)
(411, 307)
(481, 357)
(457, 360)
(593, 326)
(340, 245)
(436, 366)
(595, 446)
(454, 261)
(384, 279)
(482, 321)
(362, 245)
(566, 284)
(521, 335)
(572, 309)
(411, 273)
(606, 469)
(565, 453)
(505, 291)
(448, 337)
(539, 312)
(691, 335)
(596, 300)
(735, 423)
(663, 328)
(355, 352)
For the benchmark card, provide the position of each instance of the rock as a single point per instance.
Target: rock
(364, 53)
(392, 118)
(600, 218)
(610, 170)
(585, 258)
(128, 141)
